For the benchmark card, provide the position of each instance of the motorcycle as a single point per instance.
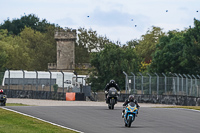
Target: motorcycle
(3, 99)
(111, 98)
(130, 114)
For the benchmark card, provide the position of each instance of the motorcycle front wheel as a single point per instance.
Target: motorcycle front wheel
(130, 121)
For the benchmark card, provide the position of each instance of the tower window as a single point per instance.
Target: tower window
(59, 51)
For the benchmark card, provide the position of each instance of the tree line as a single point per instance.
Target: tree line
(28, 43)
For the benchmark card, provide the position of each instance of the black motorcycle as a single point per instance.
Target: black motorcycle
(111, 98)
(3, 99)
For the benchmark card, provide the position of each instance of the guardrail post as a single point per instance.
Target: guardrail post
(141, 82)
(149, 83)
(186, 84)
(165, 82)
(133, 82)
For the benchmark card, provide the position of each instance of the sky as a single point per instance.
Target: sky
(118, 20)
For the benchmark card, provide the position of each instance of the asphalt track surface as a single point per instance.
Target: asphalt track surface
(99, 119)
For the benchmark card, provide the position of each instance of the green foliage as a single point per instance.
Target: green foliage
(31, 50)
(110, 63)
(17, 25)
(147, 45)
(178, 52)
(88, 41)
(55, 87)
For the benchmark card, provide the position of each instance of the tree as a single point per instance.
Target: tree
(147, 44)
(17, 25)
(191, 56)
(3, 54)
(41, 47)
(31, 50)
(178, 52)
(169, 51)
(110, 63)
(88, 41)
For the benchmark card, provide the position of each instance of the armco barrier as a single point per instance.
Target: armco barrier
(164, 99)
(41, 95)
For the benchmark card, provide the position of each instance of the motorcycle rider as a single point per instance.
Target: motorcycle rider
(1, 92)
(131, 98)
(112, 83)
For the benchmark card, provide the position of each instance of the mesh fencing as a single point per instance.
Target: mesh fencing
(163, 85)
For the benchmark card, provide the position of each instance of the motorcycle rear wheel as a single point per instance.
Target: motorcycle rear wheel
(112, 102)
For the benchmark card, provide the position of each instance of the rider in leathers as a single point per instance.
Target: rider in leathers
(130, 99)
(112, 83)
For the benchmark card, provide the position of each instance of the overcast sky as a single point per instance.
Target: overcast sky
(115, 19)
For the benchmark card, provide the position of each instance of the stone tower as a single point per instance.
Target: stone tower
(65, 40)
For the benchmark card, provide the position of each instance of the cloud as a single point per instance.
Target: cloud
(114, 18)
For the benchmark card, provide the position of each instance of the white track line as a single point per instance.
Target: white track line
(42, 120)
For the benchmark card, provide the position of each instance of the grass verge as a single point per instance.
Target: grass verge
(11, 122)
(16, 104)
(185, 107)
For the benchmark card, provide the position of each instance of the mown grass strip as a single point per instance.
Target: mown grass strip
(11, 122)
(16, 104)
(185, 107)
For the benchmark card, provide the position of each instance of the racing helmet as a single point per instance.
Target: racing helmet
(131, 98)
(112, 81)
(1, 91)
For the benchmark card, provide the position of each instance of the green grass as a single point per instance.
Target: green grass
(11, 122)
(185, 107)
(16, 104)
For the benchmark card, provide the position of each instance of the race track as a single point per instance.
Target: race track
(98, 119)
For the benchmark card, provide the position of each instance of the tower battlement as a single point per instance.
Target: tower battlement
(68, 34)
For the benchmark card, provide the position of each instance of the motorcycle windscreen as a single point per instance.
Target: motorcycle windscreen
(132, 104)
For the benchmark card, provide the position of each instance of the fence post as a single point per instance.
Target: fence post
(177, 83)
(50, 80)
(165, 83)
(8, 79)
(63, 80)
(141, 82)
(23, 77)
(198, 86)
(133, 82)
(36, 80)
(191, 82)
(186, 84)
(125, 81)
(181, 83)
(149, 83)
(157, 84)
(195, 83)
